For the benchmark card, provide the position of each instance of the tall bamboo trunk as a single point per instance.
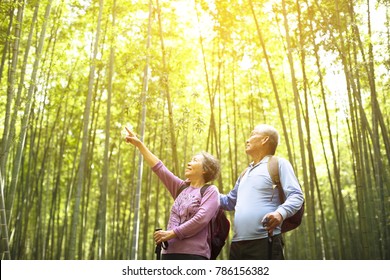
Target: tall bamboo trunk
(4, 246)
(71, 253)
(7, 42)
(6, 141)
(377, 122)
(135, 235)
(165, 86)
(18, 99)
(326, 243)
(310, 211)
(273, 81)
(26, 116)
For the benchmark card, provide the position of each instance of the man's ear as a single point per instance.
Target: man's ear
(265, 139)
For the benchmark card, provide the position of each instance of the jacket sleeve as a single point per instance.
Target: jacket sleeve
(292, 190)
(171, 181)
(228, 201)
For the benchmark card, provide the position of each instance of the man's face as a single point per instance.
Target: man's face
(254, 142)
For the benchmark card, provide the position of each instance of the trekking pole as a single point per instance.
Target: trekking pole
(269, 239)
(158, 251)
(159, 246)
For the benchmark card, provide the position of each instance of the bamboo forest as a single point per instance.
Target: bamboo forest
(189, 76)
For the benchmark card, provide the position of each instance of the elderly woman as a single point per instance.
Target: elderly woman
(187, 233)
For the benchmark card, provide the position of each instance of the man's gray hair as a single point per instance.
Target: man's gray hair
(270, 131)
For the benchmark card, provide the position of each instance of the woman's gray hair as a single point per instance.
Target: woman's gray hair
(211, 166)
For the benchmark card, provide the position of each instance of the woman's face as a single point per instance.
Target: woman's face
(195, 167)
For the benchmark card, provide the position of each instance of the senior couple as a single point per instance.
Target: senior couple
(258, 214)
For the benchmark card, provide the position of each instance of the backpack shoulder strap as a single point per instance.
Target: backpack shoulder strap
(203, 189)
(182, 188)
(273, 169)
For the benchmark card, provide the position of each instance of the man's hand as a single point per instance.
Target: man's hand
(271, 221)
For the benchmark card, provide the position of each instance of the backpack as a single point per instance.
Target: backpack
(219, 227)
(295, 220)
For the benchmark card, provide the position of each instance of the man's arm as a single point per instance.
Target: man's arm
(228, 201)
(291, 188)
(293, 193)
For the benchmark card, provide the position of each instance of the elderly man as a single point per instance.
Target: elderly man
(259, 212)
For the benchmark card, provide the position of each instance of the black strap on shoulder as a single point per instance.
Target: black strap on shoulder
(203, 189)
(185, 185)
(181, 189)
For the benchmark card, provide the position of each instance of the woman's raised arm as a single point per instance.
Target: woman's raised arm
(149, 157)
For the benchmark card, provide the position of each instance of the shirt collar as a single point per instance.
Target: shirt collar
(264, 160)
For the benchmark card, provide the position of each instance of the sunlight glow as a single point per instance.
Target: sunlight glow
(246, 63)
